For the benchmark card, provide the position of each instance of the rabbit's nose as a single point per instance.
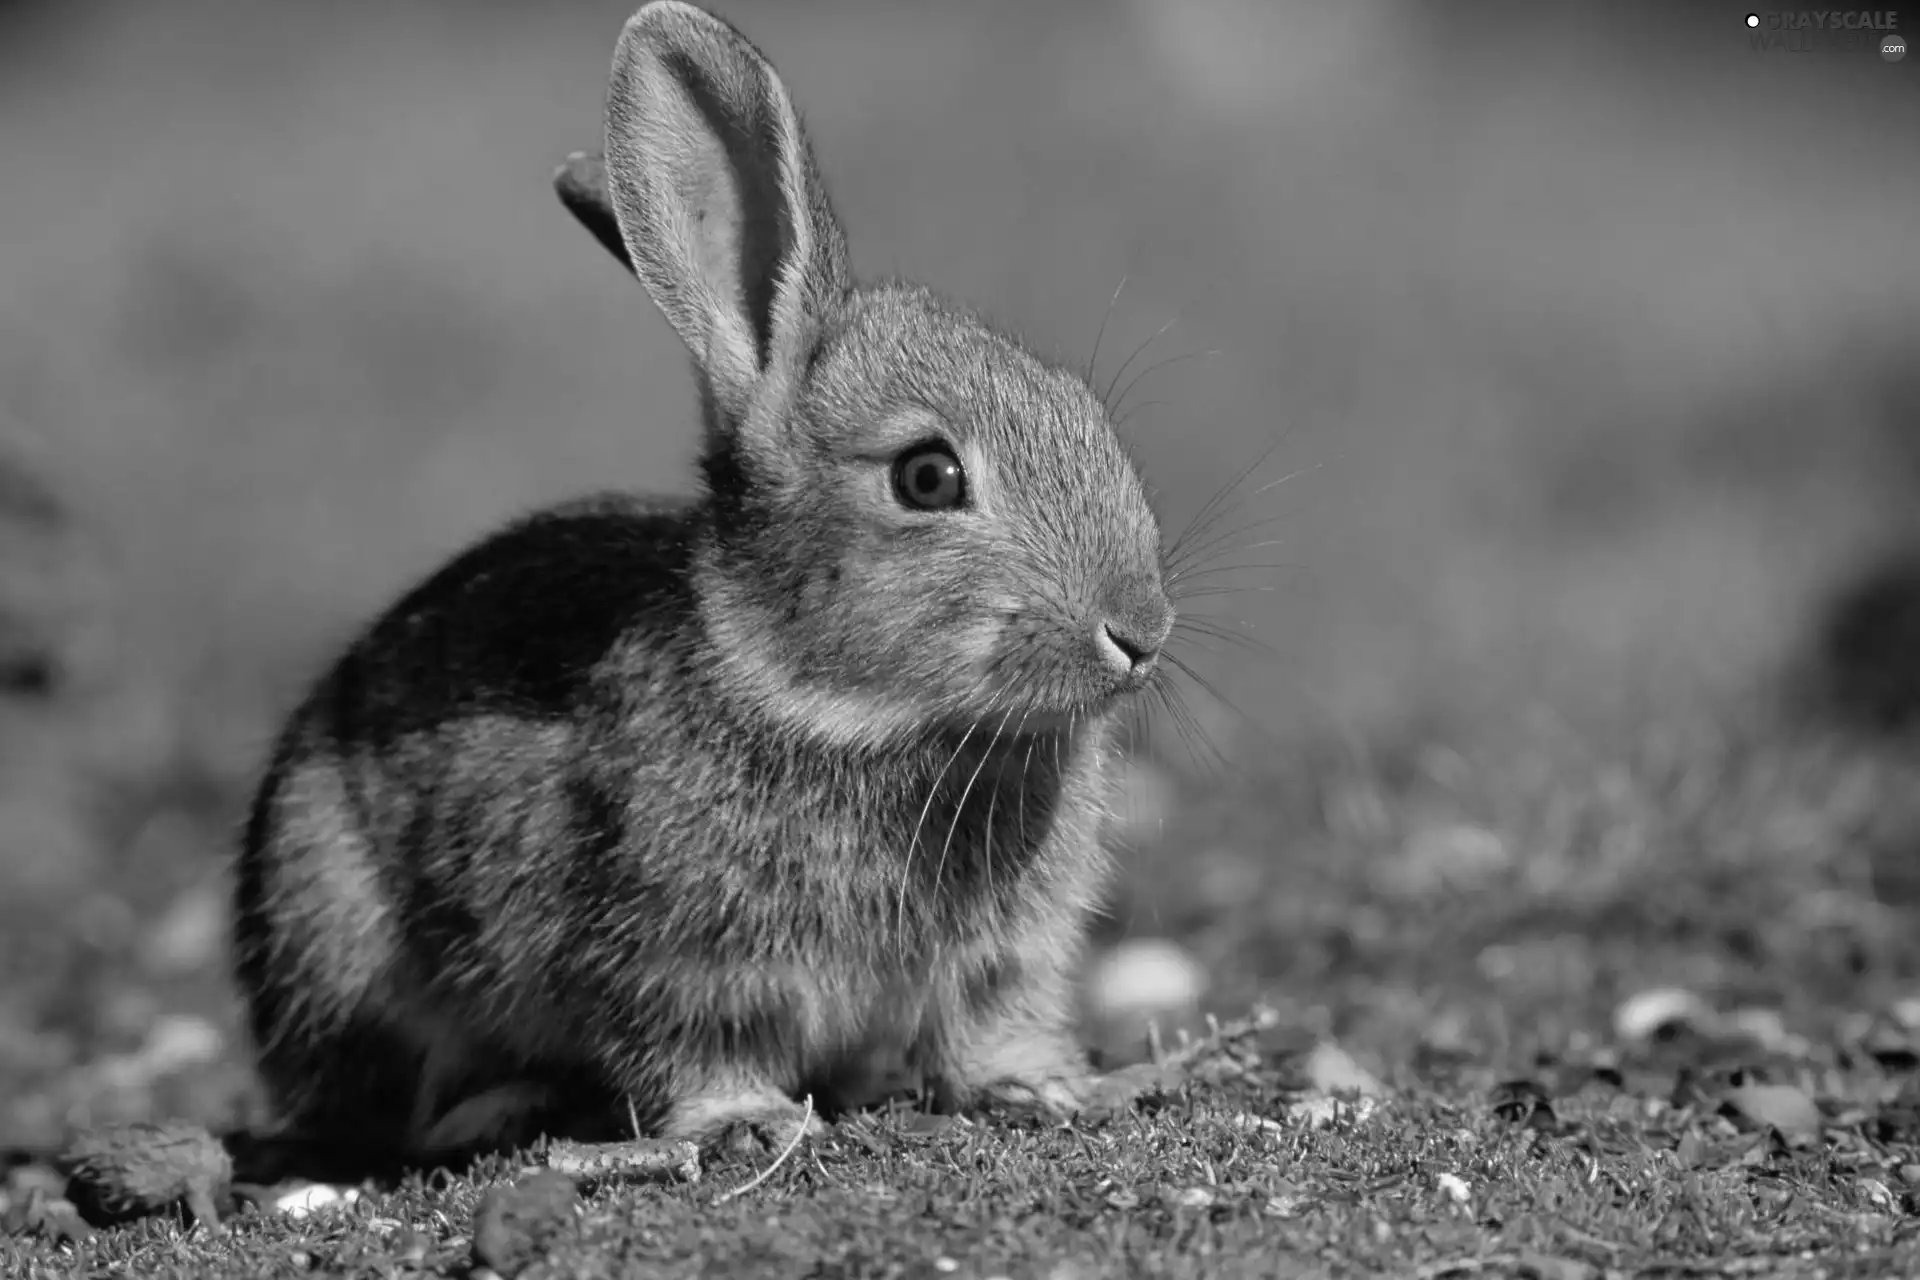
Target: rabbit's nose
(1130, 639)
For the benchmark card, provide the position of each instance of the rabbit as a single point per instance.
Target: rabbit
(679, 813)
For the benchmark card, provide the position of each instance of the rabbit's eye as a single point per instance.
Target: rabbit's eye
(928, 478)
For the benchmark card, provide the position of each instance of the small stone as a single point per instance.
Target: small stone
(1330, 1069)
(1643, 1016)
(305, 1201)
(1893, 1046)
(515, 1224)
(1140, 986)
(1249, 1123)
(1776, 1106)
(1145, 974)
(1766, 1028)
(1323, 1112)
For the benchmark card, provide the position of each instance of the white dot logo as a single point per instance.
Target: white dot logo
(1893, 48)
(1753, 19)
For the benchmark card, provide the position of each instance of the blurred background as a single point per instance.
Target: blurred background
(1587, 335)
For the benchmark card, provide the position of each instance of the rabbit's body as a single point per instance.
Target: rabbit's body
(707, 806)
(655, 893)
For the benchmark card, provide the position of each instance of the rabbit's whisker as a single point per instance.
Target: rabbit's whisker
(1219, 630)
(1093, 361)
(1214, 544)
(1193, 734)
(999, 781)
(913, 845)
(1221, 545)
(1124, 416)
(1155, 367)
(1212, 507)
(1220, 570)
(1106, 397)
(960, 809)
(1217, 505)
(1026, 767)
(1204, 593)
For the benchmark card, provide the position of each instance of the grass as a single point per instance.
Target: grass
(1603, 1169)
(1195, 1185)
(1516, 1130)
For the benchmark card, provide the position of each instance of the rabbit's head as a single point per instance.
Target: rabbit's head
(913, 523)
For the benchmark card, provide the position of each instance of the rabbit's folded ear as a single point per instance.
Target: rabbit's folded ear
(581, 184)
(718, 197)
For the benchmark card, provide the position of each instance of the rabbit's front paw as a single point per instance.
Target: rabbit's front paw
(1040, 1098)
(1064, 1097)
(769, 1134)
(741, 1117)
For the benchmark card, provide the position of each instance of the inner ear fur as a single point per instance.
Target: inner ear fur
(717, 197)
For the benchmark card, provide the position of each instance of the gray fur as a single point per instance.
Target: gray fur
(705, 806)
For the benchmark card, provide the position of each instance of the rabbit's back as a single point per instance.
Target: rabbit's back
(415, 828)
(519, 626)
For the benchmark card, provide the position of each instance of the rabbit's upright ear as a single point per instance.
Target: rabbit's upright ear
(718, 197)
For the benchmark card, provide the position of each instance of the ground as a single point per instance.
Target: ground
(1483, 931)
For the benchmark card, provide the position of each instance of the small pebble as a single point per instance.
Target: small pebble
(1323, 1112)
(516, 1223)
(304, 1202)
(1776, 1106)
(1140, 984)
(1642, 1016)
(1766, 1028)
(1145, 974)
(1331, 1069)
(1249, 1123)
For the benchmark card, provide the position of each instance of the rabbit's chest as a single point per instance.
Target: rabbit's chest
(861, 1049)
